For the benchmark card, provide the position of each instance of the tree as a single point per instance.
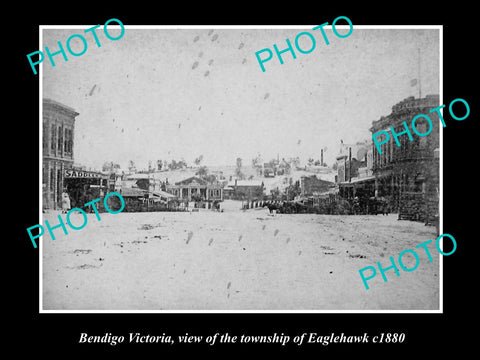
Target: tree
(210, 178)
(110, 166)
(131, 166)
(202, 172)
(198, 160)
(257, 161)
(287, 166)
(172, 165)
(295, 161)
(159, 165)
(182, 164)
(293, 190)
(238, 170)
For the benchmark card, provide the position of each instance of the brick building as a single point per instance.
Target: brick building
(58, 135)
(408, 175)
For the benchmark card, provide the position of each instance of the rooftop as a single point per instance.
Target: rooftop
(47, 101)
(407, 105)
(245, 183)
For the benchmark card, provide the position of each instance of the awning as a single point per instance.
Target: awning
(163, 194)
(132, 192)
(357, 180)
(325, 193)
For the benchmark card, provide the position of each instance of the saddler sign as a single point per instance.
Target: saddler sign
(82, 174)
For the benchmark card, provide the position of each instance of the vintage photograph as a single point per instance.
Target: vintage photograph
(243, 189)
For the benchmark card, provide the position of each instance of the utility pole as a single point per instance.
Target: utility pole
(419, 77)
(349, 164)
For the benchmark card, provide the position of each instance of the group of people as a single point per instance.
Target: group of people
(359, 206)
(372, 205)
(286, 207)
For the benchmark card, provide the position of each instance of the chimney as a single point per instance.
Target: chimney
(349, 164)
(321, 158)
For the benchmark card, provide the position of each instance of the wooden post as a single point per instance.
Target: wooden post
(349, 164)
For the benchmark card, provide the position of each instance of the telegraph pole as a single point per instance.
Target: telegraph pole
(419, 77)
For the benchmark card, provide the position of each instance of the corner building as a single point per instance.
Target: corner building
(408, 175)
(58, 135)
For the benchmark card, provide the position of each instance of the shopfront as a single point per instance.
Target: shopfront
(84, 186)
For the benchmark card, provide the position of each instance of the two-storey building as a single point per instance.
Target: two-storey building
(408, 175)
(58, 136)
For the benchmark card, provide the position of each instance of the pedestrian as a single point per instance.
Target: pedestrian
(65, 202)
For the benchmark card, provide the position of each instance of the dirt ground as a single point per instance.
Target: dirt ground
(236, 260)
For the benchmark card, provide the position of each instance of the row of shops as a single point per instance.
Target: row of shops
(141, 192)
(81, 186)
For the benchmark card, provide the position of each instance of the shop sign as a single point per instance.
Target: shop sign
(81, 174)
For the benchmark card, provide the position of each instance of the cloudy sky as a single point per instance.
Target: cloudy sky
(178, 93)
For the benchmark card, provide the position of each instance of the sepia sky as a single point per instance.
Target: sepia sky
(179, 93)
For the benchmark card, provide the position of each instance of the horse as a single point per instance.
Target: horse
(271, 206)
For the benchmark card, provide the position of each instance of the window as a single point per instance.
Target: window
(65, 141)
(403, 142)
(387, 152)
(418, 185)
(422, 129)
(408, 145)
(44, 175)
(392, 149)
(53, 137)
(60, 139)
(52, 179)
(68, 142)
(59, 185)
(384, 154)
(45, 138)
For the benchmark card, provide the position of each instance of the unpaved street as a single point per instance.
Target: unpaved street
(236, 260)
